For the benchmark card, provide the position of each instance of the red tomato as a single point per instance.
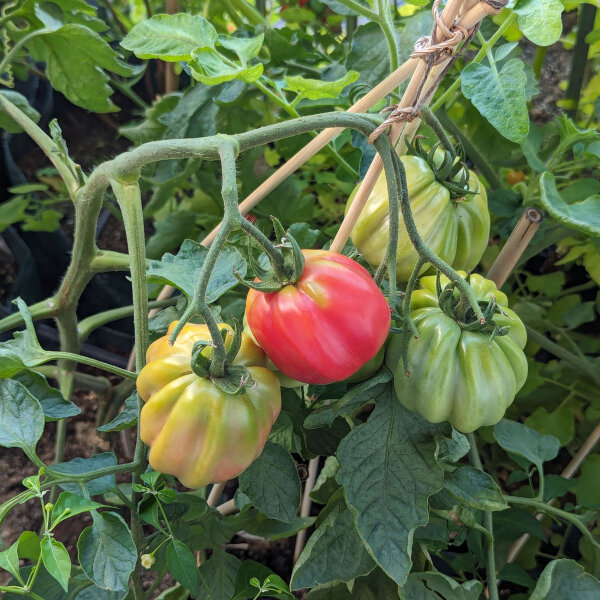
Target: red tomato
(327, 325)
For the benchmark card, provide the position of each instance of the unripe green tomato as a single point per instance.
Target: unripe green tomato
(196, 431)
(456, 230)
(457, 375)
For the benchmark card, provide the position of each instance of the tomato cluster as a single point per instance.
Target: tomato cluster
(331, 324)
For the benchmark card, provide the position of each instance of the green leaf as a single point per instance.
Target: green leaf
(74, 504)
(182, 271)
(53, 403)
(272, 483)
(75, 57)
(170, 37)
(21, 417)
(9, 561)
(585, 486)
(499, 96)
(528, 443)
(375, 586)
(315, 89)
(334, 551)
(211, 68)
(245, 48)
(515, 574)
(352, 401)
(556, 486)
(85, 465)
(217, 577)
(514, 522)
(540, 20)
(13, 211)
(388, 470)
(249, 570)
(21, 103)
(583, 216)
(170, 232)
(272, 529)
(432, 586)
(342, 9)
(56, 560)
(152, 127)
(182, 564)
(475, 489)
(454, 448)
(564, 578)
(106, 552)
(326, 484)
(29, 545)
(127, 418)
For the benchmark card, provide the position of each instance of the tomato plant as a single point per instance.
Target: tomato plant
(416, 180)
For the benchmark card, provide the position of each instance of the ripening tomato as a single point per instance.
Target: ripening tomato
(195, 430)
(456, 375)
(457, 230)
(513, 177)
(324, 327)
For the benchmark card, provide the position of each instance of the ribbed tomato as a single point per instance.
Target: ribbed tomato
(324, 327)
(195, 430)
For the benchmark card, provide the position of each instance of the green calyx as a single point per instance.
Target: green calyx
(280, 274)
(457, 307)
(235, 378)
(450, 171)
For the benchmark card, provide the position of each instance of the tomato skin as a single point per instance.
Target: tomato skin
(369, 369)
(456, 230)
(457, 375)
(196, 431)
(327, 325)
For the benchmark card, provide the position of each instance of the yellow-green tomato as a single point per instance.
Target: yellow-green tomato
(457, 230)
(457, 375)
(196, 431)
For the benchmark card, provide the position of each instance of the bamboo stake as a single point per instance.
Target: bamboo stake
(515, 246)
(313, 470)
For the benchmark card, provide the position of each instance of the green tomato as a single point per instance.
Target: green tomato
(456, 230)
(457, 375)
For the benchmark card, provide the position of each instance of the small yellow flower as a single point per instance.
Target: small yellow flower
(147, 560)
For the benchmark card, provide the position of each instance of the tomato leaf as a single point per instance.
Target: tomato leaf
(75, 57)
(499, 96)
(106, 552)
(272, 483)
(334, 551)
(315, 89)
(126, 418)
(170, 37)
(211, 68)
(9, 561)
(78, 466)
(182, 271)
(74, 504)
(53, 403)
(388, 469)
(564, 578)
(583, 216)
(475, 488)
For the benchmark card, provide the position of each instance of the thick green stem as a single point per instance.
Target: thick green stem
(557, 512)
(488, 523)
(44, 141)
(107, 260)
(84, 360)
(573, 361)
(252, 15)
(273, 253)
(89, 324)
(129, 199)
